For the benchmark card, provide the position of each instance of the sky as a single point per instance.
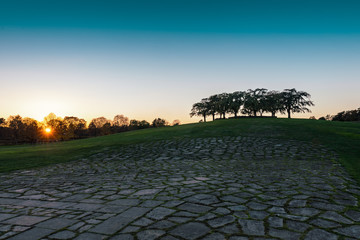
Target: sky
(149, 59)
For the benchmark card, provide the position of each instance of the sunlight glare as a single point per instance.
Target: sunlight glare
(47, 130)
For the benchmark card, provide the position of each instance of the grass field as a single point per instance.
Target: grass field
(341, 137)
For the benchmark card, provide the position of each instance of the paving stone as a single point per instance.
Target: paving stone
(297, 226)
(122, 237)
(125, 202)
(91, 236)
(191, 230)
(335, 217)
(164, 224)
(215, 236)
(4, 216)
(291, 187)
(352, 231)
(259, 215)
(33, 234)
(229, 229)
(276, 222)
(56, 223)
(319, 234)
(150, 234)
(63, 235)
(221, 221)
(324, 223)
(195, 208)
(354, 215)
(25, 220)
(114, 224)
(284, 234)
(309, 212)
(252, 227)
(160, 213)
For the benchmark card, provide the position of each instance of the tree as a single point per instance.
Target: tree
(236, 100)
(176, 122)
(200, 109)
(352, 115)
(31, 132)
(254, 101)
(58, 129)
(273, 103)
(17, 127)
(99, 122)
(211, 104)
(158, 122)
(223, 104)
(120, 121)
(296, 101)
(2, 121)
(135, 124)
(74, 127)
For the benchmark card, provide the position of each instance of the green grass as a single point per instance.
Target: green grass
(341, 137)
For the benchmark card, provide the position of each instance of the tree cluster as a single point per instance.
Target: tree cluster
(253, 103)
(352, 115)
(16, 129)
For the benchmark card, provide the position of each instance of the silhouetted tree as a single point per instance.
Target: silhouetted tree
(17, 128)
(159, 122)
(176, 122)
(74, 127)
(254, 101)
(2, 121)
(296, 101)
(200, 109)
(352, 115)
(211, 105)
(31, 132)
(273, 103)
(135, 124)
(120, 121)
(236, 100)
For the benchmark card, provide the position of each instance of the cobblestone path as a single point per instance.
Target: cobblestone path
(216, 188)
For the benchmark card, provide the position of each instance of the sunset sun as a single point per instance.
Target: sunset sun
(48, 130)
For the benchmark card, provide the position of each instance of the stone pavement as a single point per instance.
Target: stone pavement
(234, 188)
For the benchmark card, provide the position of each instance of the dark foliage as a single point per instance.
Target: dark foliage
(352, 115)
(253, 103)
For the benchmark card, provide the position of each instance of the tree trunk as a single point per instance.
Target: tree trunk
(235, 114)
(288, 113)
(224, 115)
(204, 118)
(213, 115)
(254, 113)
(273, 114)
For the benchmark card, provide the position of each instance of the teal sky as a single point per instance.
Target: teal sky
(148, 59)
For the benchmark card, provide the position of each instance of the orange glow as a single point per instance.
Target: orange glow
(48, 130)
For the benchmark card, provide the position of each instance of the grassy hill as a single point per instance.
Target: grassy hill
(341, 137)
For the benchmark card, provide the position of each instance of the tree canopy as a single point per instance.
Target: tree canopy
(253, 102)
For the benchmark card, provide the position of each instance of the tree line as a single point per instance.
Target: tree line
(253, 103)
(344, 116)
(16, 129)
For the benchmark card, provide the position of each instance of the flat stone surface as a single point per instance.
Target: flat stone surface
(319, 234)
(160, 213)
(209, 188)
(90, 236)
(56, 223)
(252, 227)
(25, 220)
(191, 230)
(33, 234)
(63, 235)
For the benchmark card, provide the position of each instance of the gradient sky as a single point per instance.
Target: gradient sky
(148, 59)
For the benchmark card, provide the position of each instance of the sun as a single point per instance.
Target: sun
(48, 130)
